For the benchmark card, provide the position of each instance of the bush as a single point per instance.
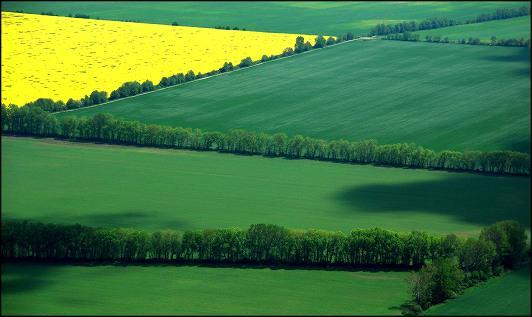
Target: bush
(436, 282)
(509, 239)
(246, 62)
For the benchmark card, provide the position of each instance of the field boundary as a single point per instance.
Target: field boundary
(219, 74)
(84, 142)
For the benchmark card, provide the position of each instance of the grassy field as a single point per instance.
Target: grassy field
(502, 29)
(440, 96)
(101, 185)
(289, 17)
(170, 290)
(507, 295)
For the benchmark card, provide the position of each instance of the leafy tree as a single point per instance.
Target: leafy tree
(246, 62)
(189, 76)
(227, 67)
(300, 45)
(98, 97)
(509, 239)
(436, 282)
(287, 52)
(477, 259)
(73, 104)
(320, 42)
(147, 86)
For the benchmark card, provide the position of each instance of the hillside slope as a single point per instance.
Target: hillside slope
(291, 17)
(458, 97)
(506, 295)
(102, 185)
(501, 29)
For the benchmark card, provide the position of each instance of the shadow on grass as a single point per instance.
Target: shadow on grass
(19, 277)
(130, 218)
(208, 264)
(520, 146)
(519, 54)
(469, 198)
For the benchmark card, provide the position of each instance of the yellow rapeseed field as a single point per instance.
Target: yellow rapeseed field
(61, 58)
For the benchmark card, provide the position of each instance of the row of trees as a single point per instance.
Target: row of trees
(104, 127)
(510, 42)
(408, 36)
(436, 23)
(427, 24)
(133, 88)
(219, 27)
(263, 244)
(500, 246)
(501, 14)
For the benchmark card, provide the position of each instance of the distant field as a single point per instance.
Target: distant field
(502, 29)
(100, 185)
(170, 290)
(507, 295)
(459, 97)
(62, 58)
(290, 17)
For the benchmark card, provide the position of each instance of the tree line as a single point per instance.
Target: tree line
(267, 244)
(500, 246)
(103, 127)
(260, 243)
(133, 88)
(436, 23)
(220, 27)
(414, 37)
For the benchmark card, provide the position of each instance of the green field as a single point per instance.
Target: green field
(459, 97)
(507, 295)
(502, 29)
(329, 18)
(101, 185)
(170, 290)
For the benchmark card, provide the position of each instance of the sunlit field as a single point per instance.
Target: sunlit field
(61, 58)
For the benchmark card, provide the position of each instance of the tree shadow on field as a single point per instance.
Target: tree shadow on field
(519, 146)
(520, 54)
(475, 199)
(130, 219)
(23, 277)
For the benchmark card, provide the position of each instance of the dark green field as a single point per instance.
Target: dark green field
(507, 295)
(102, 185)
(459, 97)
(501, 29)
(170, 290)
(329, 18)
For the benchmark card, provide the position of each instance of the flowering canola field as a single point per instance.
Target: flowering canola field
(61, 58)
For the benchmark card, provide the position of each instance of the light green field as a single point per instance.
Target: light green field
(168, 290)
(290, 17)
(507, 295)
(514, 28)
(101, 185)
(440, 96)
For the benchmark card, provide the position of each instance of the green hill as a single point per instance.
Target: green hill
(506, 295)
(501, 29)
(171, 290)
(102, 185)
(329, 18)
(459, 97)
